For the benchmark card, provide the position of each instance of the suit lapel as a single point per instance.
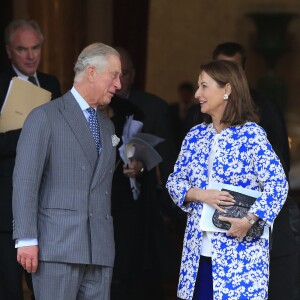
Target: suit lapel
(78, 124)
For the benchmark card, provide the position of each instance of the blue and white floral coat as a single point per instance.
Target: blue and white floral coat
(246, 159)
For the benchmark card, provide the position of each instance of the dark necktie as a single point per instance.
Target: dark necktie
(93, 123)
(32, 80)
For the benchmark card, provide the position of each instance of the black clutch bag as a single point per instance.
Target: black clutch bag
(238, 210)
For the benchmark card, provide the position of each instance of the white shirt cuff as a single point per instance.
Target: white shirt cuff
(26, 242)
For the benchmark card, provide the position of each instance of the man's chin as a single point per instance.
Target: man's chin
(29, 72)
(106, 100)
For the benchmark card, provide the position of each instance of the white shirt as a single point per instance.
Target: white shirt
(206, 237)
(25, 77)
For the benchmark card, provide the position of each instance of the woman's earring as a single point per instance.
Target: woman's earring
(225, 96)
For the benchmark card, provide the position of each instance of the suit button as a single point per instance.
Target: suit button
(107, 217)
(106, 193)
(91, 215)
(82, 168)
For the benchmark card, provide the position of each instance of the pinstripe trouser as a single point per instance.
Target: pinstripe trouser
(63, 281)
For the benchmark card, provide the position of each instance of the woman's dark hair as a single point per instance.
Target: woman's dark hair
(240, 107)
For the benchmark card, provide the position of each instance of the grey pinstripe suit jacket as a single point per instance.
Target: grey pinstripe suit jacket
(61, 188)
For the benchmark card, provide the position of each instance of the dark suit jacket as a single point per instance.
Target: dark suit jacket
(157, 122)
(177, 125)
(8, 145)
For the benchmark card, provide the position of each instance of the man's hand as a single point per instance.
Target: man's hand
(134, 168)
(27, 257)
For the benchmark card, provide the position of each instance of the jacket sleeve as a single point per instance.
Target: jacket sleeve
(32, 153)
(271, 177)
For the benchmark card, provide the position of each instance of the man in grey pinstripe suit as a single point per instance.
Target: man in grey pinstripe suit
(61, 186)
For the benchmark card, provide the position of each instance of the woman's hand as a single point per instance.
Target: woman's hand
(239, 227)
(213, 198)
(134, 168)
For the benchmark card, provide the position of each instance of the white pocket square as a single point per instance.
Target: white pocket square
(115, 140)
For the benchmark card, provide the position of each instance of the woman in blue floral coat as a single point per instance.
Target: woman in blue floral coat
(228, 148)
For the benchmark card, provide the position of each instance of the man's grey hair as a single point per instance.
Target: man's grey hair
(21, 23)
(93, 55)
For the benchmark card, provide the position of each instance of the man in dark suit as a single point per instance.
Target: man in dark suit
(156, 113)
(283, 255)
(23, 44)
(179, 110)
(140, 222)
(62, 185)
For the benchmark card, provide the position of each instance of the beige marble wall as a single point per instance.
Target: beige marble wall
(99, 21)
(182, 35)
(20, 8)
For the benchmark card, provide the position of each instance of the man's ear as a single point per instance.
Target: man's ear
(90, 71)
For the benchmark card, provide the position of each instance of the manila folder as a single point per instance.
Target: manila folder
(22, 97)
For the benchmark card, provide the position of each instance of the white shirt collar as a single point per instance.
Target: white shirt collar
(80, 100)
(23, 76)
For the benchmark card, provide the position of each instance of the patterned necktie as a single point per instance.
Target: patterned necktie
(32, 80)
(93, 123)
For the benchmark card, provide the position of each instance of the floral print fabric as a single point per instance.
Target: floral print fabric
(246, 159)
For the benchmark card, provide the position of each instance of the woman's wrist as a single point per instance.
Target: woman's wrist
(193, 195)
(251, 218)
